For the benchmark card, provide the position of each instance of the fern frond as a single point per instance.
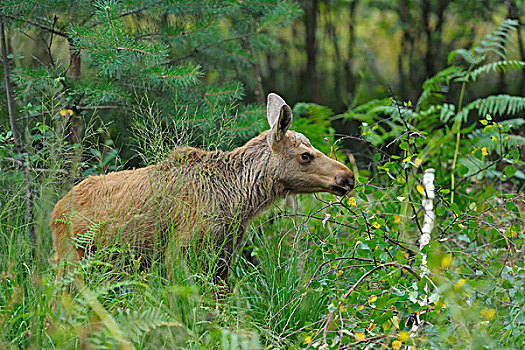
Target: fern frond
(493, 105)
(84, 239)
(435, 87)
(495, 42)
(467, 55)
(366, 112)
(493, 67)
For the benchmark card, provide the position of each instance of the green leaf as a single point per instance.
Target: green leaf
(454, 207)
(510, 171)
(511, 207)
(440, 210)
(363, 246)
(462, 170)
(404, 145)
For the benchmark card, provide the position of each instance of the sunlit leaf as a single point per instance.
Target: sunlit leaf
(360, 336)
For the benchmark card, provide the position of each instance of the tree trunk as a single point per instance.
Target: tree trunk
(434, 36)
(331, 31)
(16, 137)
(440, 59)
(310, 76)
(351, 83)
(74, 125)
(406, 41)
(9, 91)
(514, 14)
(429, 54)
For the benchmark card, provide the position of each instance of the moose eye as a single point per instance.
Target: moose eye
(307, 157)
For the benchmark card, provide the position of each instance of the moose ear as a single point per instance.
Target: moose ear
(279, 116)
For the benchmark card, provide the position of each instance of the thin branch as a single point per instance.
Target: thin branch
(112, 28)
(130, 12)
(41, 26)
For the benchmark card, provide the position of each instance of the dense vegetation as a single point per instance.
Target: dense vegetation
(426, 252)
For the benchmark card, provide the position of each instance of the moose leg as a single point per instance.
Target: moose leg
(222, 272)
(223, 269)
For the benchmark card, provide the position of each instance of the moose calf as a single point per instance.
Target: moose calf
(194, 194)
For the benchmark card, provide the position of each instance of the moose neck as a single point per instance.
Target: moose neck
(250, 177)
(234, 185)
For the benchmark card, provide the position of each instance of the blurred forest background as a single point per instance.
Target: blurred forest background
(338, 54)
(392, 88)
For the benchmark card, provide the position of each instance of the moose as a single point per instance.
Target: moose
(194, 194)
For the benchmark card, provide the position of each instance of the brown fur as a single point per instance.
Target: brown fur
(194, 193)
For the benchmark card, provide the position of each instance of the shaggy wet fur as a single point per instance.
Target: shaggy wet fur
(192, 195)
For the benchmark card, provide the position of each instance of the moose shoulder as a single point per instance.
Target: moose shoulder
(194, 193)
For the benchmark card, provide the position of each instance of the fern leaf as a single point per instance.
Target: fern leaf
(495, 42)
(493, 105)
(493, 67)
(435, 87)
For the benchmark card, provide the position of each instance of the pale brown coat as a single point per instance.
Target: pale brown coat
(194, 194)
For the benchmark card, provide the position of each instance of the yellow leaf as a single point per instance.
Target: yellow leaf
(484, 151)
(339, 273)
(375, 224)
(343, 309)
(66, 112)
(445, 260)
(352, 202)
(395, 321)
(406, 255)
(307, 340)
(372, 298)
(407, 159)
(420, 189)
(359, 336)
(396, 345)
(403, 336)
(494, 139)
(396, 219)
(371, 326)
(418, 161)
(360, 308)
(491, 313)
(459, 284)
(488, 313)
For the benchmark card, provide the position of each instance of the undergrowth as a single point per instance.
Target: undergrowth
(330, 273)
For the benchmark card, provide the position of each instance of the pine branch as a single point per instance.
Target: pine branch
(112, 28)
(128, 13)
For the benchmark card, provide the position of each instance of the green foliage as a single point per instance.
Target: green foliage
(314, 120)
(331, 273)
(496, 105)
(189, 58)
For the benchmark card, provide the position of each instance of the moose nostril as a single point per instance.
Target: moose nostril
(345, 181)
